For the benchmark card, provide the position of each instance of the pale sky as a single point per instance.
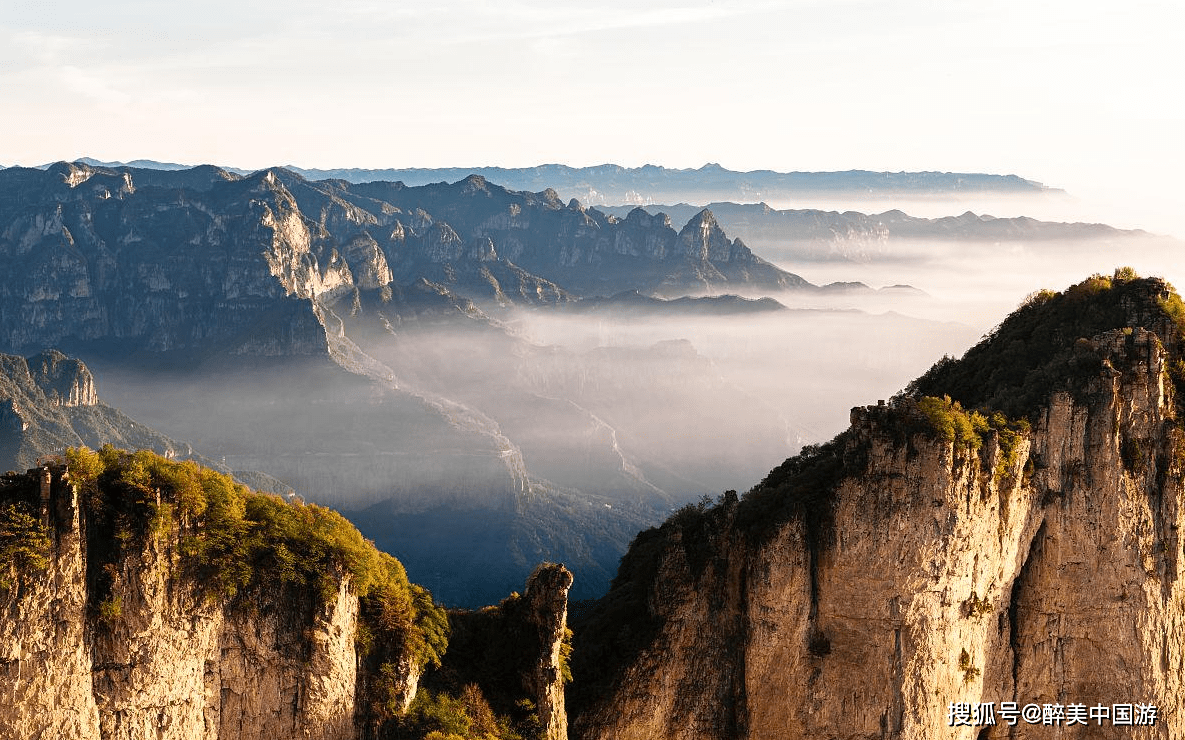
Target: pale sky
(1083, 95)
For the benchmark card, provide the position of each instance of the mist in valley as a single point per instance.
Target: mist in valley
(976, 283)
(559, 431)
(541, 434)
(809, 365)
(475, 418)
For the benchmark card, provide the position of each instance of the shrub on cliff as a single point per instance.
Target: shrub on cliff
(1045, 346)
(952, 423)
(440, 716)
(24, 542)
(233, 540)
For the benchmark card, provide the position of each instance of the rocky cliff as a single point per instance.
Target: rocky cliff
(513, 657)
(131, 648)
(180, 260)
(142, 598)
(931, 556)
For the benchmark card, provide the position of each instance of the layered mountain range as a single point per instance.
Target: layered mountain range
(495, 244)
(613, 184)
(808, 235)
(352, 341)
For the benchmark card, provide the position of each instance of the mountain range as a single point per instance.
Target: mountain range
(808, 235)
(613, 184)
(356, 342)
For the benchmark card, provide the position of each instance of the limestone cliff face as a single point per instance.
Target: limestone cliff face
(161, 268)
(65, 381)
(159, 660)
(911, 572)
(45, 666)
(122, 619)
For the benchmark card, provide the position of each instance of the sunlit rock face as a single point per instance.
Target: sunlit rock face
(174, 260)
(167, 663)
(63, 380)
(140, 645)
(865, 588)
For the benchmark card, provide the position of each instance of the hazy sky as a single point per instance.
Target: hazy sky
(1079, 94)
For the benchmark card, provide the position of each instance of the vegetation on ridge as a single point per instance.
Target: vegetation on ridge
(232, 541)
(995, 389)
(24, 542)
(228, 547)
(1047, 343)
(482, 689)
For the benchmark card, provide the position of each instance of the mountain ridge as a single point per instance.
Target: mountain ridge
(613, 184)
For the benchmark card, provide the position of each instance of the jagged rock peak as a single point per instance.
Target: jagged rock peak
(642, 218)
(474, 183)
(552, 198)
(703, 226)
(702, 238)
(64, 381)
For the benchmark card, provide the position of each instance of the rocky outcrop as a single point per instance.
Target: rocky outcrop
(515, 655)
(546, 598)
(64, 381)
(703, 239)
(869, 585)
(45, 666)
(158, 658)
